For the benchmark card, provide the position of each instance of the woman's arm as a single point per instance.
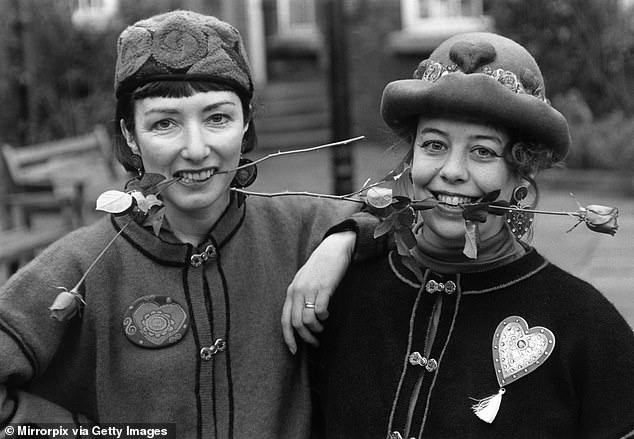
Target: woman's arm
(19, 407)
(30, 338)
(314, 284)
(316, 281)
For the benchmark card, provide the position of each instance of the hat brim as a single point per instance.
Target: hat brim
(481, 97)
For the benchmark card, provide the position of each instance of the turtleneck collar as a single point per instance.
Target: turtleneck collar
(500, 249)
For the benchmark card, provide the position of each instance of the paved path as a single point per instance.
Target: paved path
(605, 261)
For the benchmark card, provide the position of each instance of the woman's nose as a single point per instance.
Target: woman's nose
(196, 148)
(454, 168)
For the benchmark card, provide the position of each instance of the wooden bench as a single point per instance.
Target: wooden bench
(45, 181)
(18, 246)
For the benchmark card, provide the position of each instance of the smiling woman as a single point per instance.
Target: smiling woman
(174, 317)
(470, 332)
(191, 138)
(458, 162)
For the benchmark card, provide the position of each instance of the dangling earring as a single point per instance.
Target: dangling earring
(519, 222)
(246, 176)
(137, 162)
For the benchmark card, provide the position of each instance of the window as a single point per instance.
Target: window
(445, 16)
(85, 5)
(295, 32)
(296, 16)
(94, 13)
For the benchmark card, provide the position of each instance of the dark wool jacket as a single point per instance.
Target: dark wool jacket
(380, 315)
(88, 369)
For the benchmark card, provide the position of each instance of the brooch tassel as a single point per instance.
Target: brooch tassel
(487, 408)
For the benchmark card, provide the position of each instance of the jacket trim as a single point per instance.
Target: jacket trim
(11, 395)
(29, 356)
(442, 354)
(477, 282)
(225, 288)
(628, 435)
(507, 284)
(209, 306)
(235, 230)
(199, 421)
(133, 242)
(410, 339)
(178, 254)
(398, 274)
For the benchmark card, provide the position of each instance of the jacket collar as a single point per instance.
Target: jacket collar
(474, 282)
(166, 249)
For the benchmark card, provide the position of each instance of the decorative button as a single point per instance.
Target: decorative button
(416, 359)
(197, 260)
(219, 345)
(448, 287)
(432, 365)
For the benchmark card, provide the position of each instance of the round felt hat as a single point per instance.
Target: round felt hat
(181, 46)
(484, 76)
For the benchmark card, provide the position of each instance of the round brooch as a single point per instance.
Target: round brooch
(155, 322)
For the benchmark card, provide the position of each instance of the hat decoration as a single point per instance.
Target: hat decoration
(181, 45)
(434, 70)
(484, 76)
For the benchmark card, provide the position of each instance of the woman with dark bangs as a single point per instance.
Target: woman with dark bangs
(179, 319)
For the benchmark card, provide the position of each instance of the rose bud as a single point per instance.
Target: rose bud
(602, 219)
(66, 305)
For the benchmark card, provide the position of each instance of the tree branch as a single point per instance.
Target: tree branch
(295, 151)
(289, 193)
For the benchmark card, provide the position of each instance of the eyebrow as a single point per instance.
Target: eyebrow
(486, 137)
(170, 110)
(474, 137)
(433, 131)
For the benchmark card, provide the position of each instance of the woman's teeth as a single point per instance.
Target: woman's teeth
(194, 177)
(453, 199)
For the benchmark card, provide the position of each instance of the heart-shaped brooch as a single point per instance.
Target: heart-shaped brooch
(517, 351)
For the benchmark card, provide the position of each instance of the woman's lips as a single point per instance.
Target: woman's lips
(195, 177)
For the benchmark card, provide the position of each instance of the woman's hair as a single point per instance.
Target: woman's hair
(528, 158)
(170, 89)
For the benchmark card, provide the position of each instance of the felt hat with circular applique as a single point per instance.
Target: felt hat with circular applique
(184, 46)
(484, 76)
(181, 45)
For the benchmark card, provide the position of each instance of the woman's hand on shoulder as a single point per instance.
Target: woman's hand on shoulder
(308, 295)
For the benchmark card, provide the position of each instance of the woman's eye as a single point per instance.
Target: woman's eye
(434, 146)
(218, 118)
(484, 153)
(163, 124)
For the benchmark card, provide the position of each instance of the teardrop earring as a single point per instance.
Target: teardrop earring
(137, 162)
(519, 222)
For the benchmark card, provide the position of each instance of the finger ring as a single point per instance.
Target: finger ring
(308, 304)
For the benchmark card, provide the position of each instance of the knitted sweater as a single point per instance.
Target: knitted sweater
(96, 367)
(382, 314)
